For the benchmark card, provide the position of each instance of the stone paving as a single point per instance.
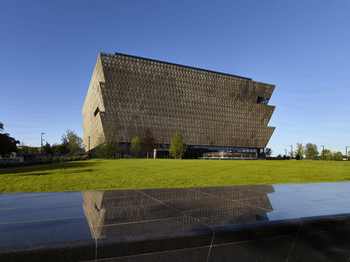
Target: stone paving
(285, 222)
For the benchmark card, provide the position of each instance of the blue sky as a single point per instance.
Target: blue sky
(48, 50)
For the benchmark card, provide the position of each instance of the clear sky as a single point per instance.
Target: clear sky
(48, 50)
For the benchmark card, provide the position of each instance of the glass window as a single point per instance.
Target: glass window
(263, 100)
(96, 111)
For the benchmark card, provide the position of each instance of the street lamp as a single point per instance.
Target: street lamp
(292, 151)
(126, 155)
(200, 143)
(323, 151)
(89, 145)
(41, 148)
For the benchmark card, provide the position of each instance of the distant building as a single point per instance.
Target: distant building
(213, 111)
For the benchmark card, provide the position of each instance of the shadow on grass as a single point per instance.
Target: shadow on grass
(35, 174)
(48, 167)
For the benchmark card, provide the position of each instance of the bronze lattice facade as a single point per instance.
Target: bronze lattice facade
(210, 109)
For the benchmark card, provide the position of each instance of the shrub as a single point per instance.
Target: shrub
(22, 164)
(45, 160)
(5, 165)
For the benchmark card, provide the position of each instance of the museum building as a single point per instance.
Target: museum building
(219, 115)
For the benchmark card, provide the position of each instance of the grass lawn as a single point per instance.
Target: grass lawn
(98, 174)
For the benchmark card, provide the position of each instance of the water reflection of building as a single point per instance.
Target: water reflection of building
(93, 211)
(247, 204)
(115, 213)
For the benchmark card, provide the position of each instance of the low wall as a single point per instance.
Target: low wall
(290, 222)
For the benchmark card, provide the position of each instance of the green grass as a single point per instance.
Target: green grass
(98, 174)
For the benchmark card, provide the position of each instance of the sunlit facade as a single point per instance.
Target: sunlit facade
(213, 111)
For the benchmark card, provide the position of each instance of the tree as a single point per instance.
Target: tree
(135, 146)
(28, 150)
(7, 143)
(63, 147)
(326, 154)
(311, 151)
(338, 156)
(73, 141)
(300, 151)
(147, 140)
(49, 150)
(268, 151)
(108, 143)
(54, 147)
(177, 146)
(291, 154)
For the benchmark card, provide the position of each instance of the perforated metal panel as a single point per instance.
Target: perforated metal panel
(132, 93)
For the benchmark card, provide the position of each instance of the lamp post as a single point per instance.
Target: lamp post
(323, 152)
(126, 155)
(292, 151)
(89, 145)
(41, 140)
(200, 143)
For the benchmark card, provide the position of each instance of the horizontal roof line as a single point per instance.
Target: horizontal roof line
(190, 67)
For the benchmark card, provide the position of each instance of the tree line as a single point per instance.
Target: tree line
(310, 151)
(108, 145)
(71, 144)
